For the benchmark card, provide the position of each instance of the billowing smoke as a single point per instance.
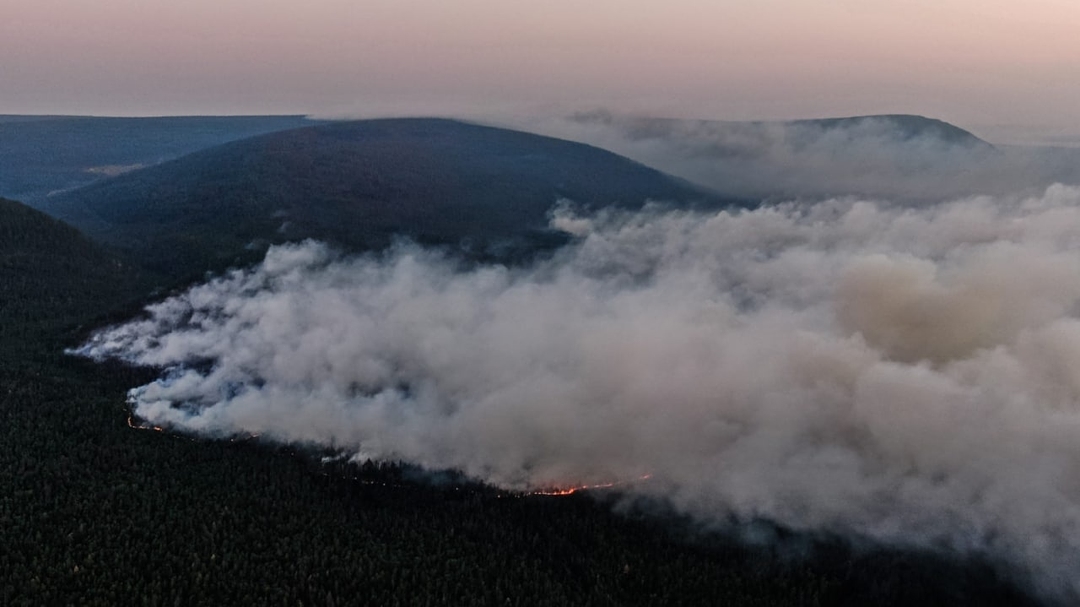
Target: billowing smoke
(911, 375)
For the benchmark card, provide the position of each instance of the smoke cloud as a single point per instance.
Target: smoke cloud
(911, 375)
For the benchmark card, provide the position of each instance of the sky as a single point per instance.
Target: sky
(992, 63)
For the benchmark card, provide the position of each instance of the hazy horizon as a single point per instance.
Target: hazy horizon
(995, 69)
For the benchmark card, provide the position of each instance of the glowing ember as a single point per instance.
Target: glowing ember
(572, 490)
(142, 425)
(550, 491)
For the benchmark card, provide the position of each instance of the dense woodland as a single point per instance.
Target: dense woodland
(94, 512)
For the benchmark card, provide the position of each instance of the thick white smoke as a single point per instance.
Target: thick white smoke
(911, 375)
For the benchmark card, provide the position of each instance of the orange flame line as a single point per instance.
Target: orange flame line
(575, 489)
(143, 426)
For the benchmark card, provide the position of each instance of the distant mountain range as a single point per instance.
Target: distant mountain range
(40, 155)
(898, 128)
(902, 127)
(187, 194)
(484, 190)
(901, 157)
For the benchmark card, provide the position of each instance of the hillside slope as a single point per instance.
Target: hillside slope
(360, 184)
(52, 277)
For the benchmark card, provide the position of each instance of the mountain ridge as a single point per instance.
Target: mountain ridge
(361, 184)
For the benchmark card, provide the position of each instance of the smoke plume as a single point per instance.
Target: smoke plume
(911, 375)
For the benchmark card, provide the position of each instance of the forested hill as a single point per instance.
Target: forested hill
(359, 184)
(52, 276)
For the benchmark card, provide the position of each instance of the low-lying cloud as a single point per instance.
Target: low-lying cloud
(912, 375)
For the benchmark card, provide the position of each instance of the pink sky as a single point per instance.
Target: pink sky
(973, 63)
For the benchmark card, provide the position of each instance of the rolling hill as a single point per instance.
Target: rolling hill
(360, 185)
